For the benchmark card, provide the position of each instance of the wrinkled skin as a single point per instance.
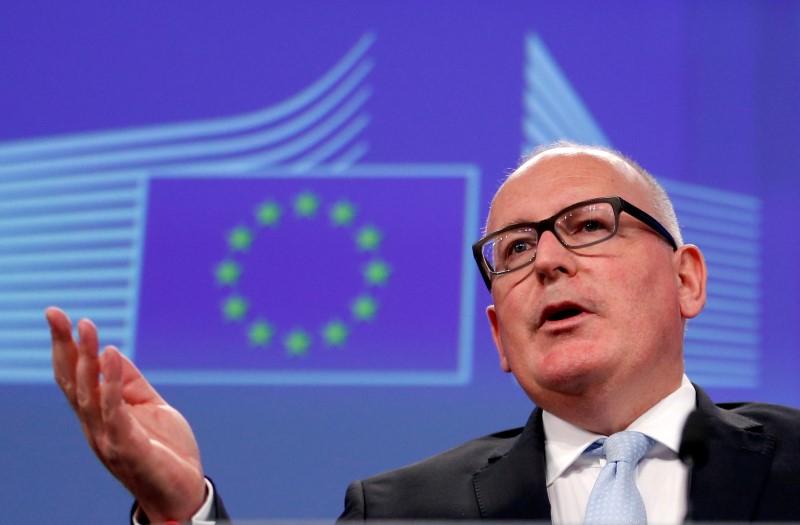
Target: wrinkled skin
(623, 352)
(142, 441)
(599, 369)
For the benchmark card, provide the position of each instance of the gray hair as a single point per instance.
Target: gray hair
(662, 206)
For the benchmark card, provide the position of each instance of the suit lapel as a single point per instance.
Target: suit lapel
(512, 485)
(739, 460)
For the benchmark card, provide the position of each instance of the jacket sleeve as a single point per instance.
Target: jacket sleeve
(354, 505)
(216, 514)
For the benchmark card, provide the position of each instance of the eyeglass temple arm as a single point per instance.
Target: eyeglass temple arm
(650, 221)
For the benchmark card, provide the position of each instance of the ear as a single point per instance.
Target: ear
(491, 313)
(690, 269)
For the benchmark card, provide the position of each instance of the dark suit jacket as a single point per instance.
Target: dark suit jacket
(753, 474)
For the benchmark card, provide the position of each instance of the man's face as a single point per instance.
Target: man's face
(593, 320)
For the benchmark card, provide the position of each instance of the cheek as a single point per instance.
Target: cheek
(514, 307)
(648, 299)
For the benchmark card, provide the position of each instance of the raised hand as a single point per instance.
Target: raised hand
(142, 441)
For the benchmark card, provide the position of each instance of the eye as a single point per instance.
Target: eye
(518, 251)
(519, 247)
(586, 224)
(514, 249)
(592, 226)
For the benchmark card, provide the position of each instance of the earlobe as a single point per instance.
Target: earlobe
(491, 313)
(691, 271)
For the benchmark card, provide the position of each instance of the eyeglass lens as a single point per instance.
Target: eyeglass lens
(575, 227)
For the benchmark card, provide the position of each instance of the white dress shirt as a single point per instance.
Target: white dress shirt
(661, 477)
(201, 517)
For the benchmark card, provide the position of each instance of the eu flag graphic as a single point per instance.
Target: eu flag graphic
(303, 279)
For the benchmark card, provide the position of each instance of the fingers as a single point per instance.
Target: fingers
(65, 353)
(136, 388)
(87, 378)
(76, 369)
(112, 405)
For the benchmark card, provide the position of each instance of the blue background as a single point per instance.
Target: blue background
(703, 94)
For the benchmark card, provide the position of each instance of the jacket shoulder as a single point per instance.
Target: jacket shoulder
(772, 418)
(439, 487)
(465, 458)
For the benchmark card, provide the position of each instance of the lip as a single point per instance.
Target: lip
(551, 315)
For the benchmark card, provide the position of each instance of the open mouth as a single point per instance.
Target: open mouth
(560, 312)
(566, 313)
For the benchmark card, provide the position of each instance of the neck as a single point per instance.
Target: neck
(607, 411)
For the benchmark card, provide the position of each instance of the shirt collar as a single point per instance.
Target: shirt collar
(564, 442)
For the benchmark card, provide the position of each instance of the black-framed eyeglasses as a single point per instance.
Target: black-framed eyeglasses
(583, 224)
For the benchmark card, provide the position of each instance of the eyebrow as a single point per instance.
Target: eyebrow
(512, 223)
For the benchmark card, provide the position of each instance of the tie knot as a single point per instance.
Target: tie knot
(626, 446)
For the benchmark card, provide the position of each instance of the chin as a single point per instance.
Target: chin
(568, 384)
(569, 381)
(571, 376)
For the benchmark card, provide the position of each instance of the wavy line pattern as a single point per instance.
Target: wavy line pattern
(553, 110)
(722, 346)
(74, 207)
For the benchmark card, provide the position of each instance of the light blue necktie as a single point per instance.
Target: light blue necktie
(615, 498)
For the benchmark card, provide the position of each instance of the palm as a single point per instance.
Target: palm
(163, 449)
(143, 441)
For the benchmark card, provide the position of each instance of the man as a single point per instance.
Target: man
(591, 287)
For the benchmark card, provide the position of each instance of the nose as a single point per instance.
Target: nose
(553, 259)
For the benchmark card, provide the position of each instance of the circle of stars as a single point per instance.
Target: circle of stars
(268, 215)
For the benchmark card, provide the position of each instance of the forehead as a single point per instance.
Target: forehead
(559, 178)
